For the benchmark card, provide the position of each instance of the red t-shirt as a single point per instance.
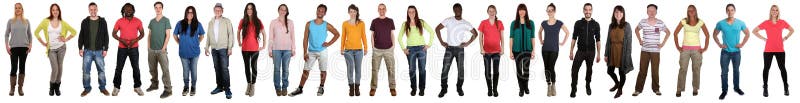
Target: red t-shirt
(774, 35)
(128, 30)
(250, 42)
(491, 36)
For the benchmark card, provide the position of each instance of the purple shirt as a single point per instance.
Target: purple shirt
(383, 32)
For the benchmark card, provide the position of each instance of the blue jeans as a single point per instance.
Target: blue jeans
(416, 61)
(88, 57)
(457, 53)
(725, 59)
(353, 60)
(189, 71)
(280, 59)
(220, 58)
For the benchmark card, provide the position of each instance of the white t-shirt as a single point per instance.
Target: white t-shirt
(216, 28)
(456, 30)
(54, 33)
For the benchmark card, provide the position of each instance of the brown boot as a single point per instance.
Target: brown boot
(371, 92)
(13, 84)
(393, 92)
(20, 82)
(357, 90)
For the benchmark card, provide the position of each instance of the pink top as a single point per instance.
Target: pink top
(774, 35)
(279, 39)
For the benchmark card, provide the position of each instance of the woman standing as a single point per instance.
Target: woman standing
(354, 46)
(491, 44)
(281, 38)
(522, 35)
(549, 46)
(18, 45)
(188, 33)
(691, 49)
(55, 41)
(618, 54)
(416, 49)
(251, 26)
(774, 46)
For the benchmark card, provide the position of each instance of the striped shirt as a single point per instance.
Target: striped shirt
(651, 37)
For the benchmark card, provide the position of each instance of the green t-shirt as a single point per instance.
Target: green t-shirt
(94, 25)
(158, 32)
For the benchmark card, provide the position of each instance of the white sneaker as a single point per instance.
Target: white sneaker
(138, 91)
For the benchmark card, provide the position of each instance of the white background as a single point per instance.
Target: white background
(752, 12)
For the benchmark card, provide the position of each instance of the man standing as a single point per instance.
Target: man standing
(587, 35)
(220, 41)
(314, 46)
(730, 28)
(157, 52)
(456, 28)
(383, 33)
(93, 44)
(127, 27)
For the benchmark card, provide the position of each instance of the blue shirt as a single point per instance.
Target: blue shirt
(188, 44)
(317, 33)
(551, 35)
(730, 33)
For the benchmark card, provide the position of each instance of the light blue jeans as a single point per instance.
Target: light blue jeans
(353, 60)
(95, 56)
(280, 77)
(189, 71)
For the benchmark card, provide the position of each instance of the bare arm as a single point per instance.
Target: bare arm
(439, 34)
(335, 35)
(678, 30)
(705, 32)
(566, 34)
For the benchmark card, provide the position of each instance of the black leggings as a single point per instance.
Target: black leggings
(550, 58)
(250, 67)
(619, 83)
(18, 56)
(781, 56)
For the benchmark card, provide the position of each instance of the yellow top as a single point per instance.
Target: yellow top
(65, 28)
(353, 36)
(692, 33)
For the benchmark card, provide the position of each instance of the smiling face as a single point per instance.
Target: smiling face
(522, 13)
(54, 11)
(283, 10)
(587, 11)
(618, 15)
(774, 13)
(190, 14)
(730, 11)
(352, 13)
(18, 9)
(93, 10)
(412, 13)
(492, 12)
(321, 12)
(551, 11)
(382, 10)
(127, 11)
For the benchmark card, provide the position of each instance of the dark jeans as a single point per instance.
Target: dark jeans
(18, 56)
(133, 54)
(582, 56)
(523, 63)
(781, 56)
(220, 58)
(491, 62)
(416, 62)
(725, 59)
(549, 59)
(453, 52)
(250, 67)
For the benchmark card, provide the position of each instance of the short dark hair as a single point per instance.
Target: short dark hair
(652, 5)
(158, 3)
(730, 5)
(457, 5)
(323, 6)
(587, 4)
(92, 4)
(122, 11)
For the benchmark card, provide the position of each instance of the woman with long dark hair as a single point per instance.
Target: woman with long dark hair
(416, 49)
(189, 33)
(618, 52)
(522, 43)
(281, 48)
(251, 26)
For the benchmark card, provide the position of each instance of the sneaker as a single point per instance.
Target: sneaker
(216, 91)
(115, 92)
(320, 91)
(192, 92)
(636, 94)
(138, 91)
(185, 91)
(296, 92)
(658, 93)
(228, 94)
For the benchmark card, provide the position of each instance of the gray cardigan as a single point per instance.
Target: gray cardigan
(627, 63)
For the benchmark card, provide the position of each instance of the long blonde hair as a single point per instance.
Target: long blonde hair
(21, 16)
(777, 17)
